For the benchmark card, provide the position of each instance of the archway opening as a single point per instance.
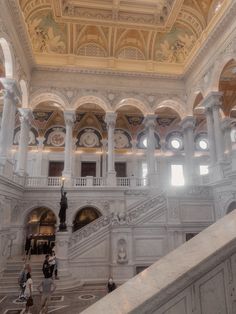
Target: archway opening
(41, 226)
(85, 216)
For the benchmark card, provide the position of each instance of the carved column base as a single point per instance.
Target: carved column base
(62, 246)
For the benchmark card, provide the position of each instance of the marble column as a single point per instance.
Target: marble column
(69, 117)
(39, 157)
(12, 97)
(104, 158)
(25, 120)
(216, 104)
(188, 124)
(210, 130)
(134, 158)
(150, 123)
(226, 127)
(110, 120)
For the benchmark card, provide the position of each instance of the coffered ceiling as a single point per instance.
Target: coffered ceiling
(134, 35)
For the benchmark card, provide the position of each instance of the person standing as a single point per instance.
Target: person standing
(52, 262)
(111, 285)
(28, 293)
(46, 266)
(46, 288)
(28, 248)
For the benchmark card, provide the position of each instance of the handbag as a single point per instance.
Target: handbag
(30, 301)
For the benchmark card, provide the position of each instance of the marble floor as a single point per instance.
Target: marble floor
(72, 302)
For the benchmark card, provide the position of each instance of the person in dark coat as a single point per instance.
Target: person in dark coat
(111, 285)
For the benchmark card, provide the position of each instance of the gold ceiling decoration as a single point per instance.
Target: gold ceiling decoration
(139, 35)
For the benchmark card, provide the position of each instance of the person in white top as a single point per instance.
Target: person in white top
(28, 293)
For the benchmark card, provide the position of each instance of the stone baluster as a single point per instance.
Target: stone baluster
(110, 120)
(12, 97)
(25, 120)
(69, 117)
(150, 123)
(188, 124)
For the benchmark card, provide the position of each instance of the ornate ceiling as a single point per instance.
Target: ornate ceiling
(134, 35)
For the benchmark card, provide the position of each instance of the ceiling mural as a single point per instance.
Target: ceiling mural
(113, 31)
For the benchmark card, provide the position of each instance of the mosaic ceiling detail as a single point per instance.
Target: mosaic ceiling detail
(164, 31)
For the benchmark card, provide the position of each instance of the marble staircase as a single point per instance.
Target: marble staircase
(10, 275)
(198, 277)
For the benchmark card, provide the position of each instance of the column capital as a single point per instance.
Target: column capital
(188, 123)
(213, 99)
(40, 140)
(104, 143)
(26, 116)
(110, 119)
(69, 117)
(150, 121)
(11, 90)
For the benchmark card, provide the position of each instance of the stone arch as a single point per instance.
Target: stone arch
(9, 61)
(55, 97)
(25, 94)
(144, 108)
(217, 70)
(29, 209)
(195, 100)
(84, 216)
(176, 106)
(91, 99)
(231, 207)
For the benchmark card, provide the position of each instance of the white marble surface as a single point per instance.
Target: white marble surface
(146, 292)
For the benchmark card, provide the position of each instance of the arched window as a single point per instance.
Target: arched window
(84, 217)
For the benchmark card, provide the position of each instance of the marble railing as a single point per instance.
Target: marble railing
(133, 213)
(83, 181)
(198, 277)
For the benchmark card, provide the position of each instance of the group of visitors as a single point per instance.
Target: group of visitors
(46, 287)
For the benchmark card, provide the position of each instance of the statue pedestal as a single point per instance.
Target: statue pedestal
(62, 245)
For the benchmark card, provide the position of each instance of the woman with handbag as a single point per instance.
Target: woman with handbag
(28, 293)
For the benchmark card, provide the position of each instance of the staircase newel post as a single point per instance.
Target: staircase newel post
(62, 250)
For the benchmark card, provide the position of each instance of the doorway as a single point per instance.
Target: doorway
(88, 169)
(120, 168)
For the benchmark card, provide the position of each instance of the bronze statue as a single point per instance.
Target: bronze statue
(63, 208)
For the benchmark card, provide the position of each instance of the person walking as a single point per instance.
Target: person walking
(22, 281)
(28, 293)
(46, 288)
(52, 262)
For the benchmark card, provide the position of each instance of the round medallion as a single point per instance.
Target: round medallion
(89, 139)
(121, 140)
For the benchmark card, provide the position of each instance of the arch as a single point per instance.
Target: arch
(55, 97)
(91, 99)
(8, 58)
(40, 226)
(231, 207)
(28, 210)
(176, 106)
(218, 68)
(25, 94)
(84, 216)
(134, 102)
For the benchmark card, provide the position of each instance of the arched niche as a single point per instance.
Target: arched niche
(40, 224)
(231, 207)
(85, 216)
